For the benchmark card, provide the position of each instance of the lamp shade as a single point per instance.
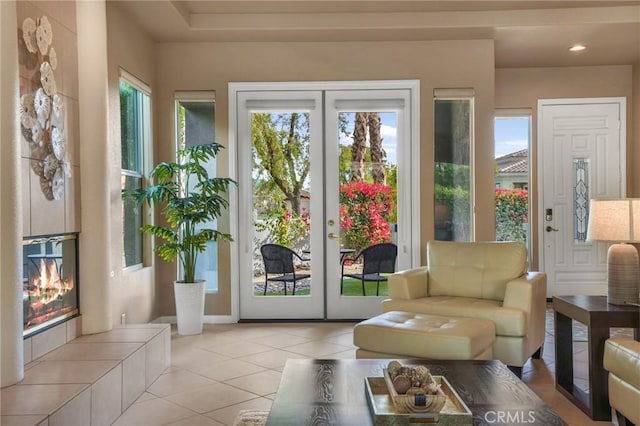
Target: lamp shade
(614, 220)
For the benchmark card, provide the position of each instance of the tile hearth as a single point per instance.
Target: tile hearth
(89, 380)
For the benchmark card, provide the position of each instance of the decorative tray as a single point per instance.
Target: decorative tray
(384, 412)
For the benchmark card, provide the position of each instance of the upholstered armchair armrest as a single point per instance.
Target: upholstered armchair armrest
(526, 290)
(409, 284)
(529, 293)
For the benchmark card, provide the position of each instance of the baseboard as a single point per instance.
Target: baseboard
(208, 319)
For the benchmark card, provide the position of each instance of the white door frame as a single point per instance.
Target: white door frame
(621, 101)
(414, 137)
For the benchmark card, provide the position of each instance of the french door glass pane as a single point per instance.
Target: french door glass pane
(368, 190)
(453, 192)
(281, 199)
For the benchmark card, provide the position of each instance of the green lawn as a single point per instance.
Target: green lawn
(352, 287)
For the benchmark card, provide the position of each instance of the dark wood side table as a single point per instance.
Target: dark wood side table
(599, 317)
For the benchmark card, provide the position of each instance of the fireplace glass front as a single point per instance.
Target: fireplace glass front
(50, 281)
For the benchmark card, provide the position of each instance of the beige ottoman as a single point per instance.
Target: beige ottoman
(398, 334)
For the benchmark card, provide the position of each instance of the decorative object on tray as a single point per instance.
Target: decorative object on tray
(410, 394)
(413, 389)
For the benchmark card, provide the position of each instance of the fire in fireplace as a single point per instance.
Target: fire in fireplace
(50, 281)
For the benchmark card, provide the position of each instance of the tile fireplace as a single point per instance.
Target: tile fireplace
(50, 281)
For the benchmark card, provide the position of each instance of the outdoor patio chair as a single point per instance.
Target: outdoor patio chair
(377, 259)
(279, 260)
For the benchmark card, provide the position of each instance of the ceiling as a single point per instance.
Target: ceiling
(526, 33)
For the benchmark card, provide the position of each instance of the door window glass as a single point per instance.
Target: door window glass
(281, 201)
(367, 170)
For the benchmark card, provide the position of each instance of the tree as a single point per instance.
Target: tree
(377, 153)
(359, 147)
(281, 151)
(367, 123)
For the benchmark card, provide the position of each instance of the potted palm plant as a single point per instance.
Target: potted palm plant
(190, 199)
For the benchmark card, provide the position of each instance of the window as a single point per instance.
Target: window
(512, 140)
(135, 133)
(453, 192)
(195, 125)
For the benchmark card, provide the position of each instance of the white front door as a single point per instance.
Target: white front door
(582, 156)
(311, 162)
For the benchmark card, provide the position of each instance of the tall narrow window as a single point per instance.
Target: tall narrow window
(512, 140)
(135, 129)
(195, 125)
(453, 203)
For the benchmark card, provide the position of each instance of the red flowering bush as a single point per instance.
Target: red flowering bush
(365, 212)
(512, 212)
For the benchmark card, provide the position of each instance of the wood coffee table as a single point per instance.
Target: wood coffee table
(315, 392)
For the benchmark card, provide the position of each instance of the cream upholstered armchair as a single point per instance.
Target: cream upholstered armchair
(487, 280)
(622, 361)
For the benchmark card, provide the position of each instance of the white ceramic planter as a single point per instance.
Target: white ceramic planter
(189, 306)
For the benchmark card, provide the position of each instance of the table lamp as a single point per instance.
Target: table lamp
(618, 221)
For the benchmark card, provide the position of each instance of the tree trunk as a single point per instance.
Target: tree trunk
(295, 204)
(294, 193)
(377, 154)
(359, 147)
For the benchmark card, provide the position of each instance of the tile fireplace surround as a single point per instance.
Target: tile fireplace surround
(80, 380)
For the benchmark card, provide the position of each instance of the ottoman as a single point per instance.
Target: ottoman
(397, 334)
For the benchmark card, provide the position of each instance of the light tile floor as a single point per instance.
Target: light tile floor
(231, 367)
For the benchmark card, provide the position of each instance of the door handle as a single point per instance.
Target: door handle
(551, 228)
(333, 236)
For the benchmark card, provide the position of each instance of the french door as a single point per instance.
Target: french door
(296, 174)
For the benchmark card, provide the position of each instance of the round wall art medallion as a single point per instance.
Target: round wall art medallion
(42, 108)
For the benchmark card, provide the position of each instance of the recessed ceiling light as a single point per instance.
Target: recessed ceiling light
(577, 48)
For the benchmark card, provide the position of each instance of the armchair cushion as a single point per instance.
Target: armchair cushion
(508, 322)
(479, 269)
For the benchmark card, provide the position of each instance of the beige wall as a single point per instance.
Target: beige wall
(134, 292)
(633, 151)
(439, 64)
(523, 87)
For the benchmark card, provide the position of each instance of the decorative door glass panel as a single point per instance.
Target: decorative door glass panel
(581, 199)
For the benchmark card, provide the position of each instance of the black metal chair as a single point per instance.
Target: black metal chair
(279, 260)
(377, 259)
